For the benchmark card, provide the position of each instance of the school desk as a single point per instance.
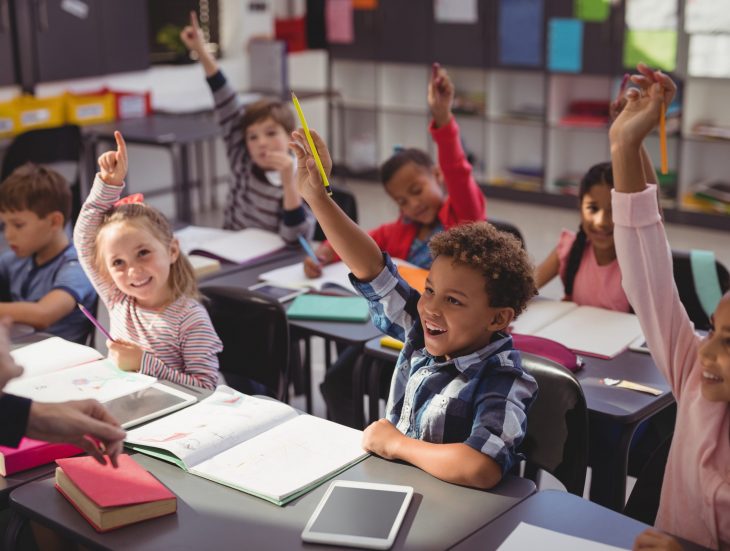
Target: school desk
(212, 516)
(179, 134)
(341, 332)
(565, 513)
(626, 408)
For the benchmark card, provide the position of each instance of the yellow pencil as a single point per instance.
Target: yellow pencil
(311, 143)
(663, 139)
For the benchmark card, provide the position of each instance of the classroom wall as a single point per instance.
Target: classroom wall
(183, 88)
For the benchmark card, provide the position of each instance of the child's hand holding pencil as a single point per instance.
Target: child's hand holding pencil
(308, 177)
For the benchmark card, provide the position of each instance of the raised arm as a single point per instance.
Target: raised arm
(467, 200)
(193, 38)
(107, 188)
(356, 248)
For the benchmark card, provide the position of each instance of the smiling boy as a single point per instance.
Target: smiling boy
(459, 397)
(40, 273)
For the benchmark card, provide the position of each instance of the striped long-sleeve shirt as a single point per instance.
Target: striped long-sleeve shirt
(179, 342)
(480, 399)
(253, 201)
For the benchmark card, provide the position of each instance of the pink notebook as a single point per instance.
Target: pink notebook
(32, 453)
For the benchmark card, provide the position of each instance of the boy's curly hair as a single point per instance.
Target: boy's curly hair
(508, 273)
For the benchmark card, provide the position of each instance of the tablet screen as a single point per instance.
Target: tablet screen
(145, 404)
(360, 512)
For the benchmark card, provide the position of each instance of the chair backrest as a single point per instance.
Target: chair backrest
(686, 287)
(557, 425)
(346, 201)
(47, 146)
(509, 228)
(255, 335)
(643, 503)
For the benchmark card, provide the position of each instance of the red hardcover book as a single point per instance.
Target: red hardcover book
(109, 498)
(32, 453)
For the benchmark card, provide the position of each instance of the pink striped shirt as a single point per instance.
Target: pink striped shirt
(695, 500)
(179, 342)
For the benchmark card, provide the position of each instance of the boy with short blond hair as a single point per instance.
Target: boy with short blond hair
(40, 273)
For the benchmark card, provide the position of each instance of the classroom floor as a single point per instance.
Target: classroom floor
(540, 227)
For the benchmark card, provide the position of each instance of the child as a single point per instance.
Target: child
(40, 273)
(695, 500)
(459, 396)
(256, 137)
(586, 261)
(147, 285)
(416, 185)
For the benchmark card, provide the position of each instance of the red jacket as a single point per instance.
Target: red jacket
(464, 201)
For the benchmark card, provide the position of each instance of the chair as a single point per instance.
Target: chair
(643, 503)
(686, 287)
(48, 146)
(255, 335)
(509, 228)
(346, 201)
(557, 425)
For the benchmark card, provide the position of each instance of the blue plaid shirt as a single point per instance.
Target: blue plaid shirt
(480, 399)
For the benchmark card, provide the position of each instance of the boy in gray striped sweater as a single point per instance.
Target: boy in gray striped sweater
(256, 136)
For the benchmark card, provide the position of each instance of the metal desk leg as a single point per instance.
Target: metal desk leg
(213, 173)
(12, 531)
(180, 170)
(200, 176)
(359, 375)
(376, 371)
(307, 373)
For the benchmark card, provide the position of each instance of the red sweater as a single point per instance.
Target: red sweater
(464, 201)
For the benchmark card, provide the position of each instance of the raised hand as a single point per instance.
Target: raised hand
(642, 110)
(440, 95)
(192, 35)
(309, 182)
(113, 164)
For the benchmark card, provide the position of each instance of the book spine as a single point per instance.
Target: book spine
(22, 460)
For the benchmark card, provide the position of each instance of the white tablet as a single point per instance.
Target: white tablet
(147, 404)
(359, 514)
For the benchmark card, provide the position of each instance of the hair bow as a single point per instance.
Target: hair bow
(129, 199)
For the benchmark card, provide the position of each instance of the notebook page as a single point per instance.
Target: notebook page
(540, 313)
(218, 422)
(100, 380)
(52, 354)
(244, 245)
(288, 458)
(196, 237)
(527, 536)
(293, 276)
(594, 331)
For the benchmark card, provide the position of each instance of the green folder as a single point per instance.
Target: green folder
(328, 308)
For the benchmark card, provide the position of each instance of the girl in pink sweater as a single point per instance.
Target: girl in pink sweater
(695, 500)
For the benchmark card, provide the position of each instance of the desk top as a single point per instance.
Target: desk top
(245, 276)
(210, 513)
(565, 513)
(622, 405)
(157, 129)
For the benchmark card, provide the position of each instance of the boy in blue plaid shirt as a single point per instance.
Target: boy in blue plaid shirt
(459, 396)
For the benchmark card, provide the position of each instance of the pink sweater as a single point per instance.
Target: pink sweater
(695, 500)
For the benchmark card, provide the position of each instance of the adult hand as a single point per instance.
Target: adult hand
(8, 368)
(113, 164)
(83, 423)
(127, 356)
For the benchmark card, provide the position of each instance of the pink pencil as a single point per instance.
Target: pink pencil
(93, 320)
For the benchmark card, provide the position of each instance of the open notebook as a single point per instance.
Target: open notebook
(255, 445)
(56, 370)
(583, 329)
(238, 247)
(336, 276)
